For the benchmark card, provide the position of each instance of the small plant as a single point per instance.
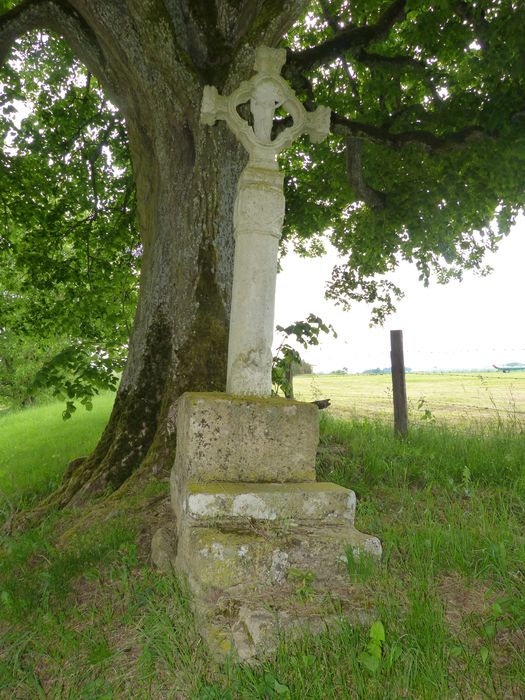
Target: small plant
(371, 658)
(270, 687)
(466, 481)
(303, 661)
(426, 413)
(304, 581)
(287, 358)
(494, 622)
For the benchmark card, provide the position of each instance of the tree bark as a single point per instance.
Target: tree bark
(153, 60)
(180, 336)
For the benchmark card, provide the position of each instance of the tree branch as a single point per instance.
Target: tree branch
(332, 22)
(57, 16)
(354, 168)
(370, 58)
(426, 139)
(350, 38)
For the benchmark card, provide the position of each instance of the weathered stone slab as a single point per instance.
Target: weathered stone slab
(258, 630)
(320, 503)
(250, 627)
(251, 558)
(164, 549)
(228, 438)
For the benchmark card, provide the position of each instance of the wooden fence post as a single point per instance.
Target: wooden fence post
(399, 384)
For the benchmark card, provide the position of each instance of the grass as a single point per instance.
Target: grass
(87, 617)
(36, 445)
(457, 399)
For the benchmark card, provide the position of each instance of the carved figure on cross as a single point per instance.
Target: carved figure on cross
(266, 99)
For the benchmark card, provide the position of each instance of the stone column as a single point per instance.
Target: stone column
(258, 220)
(259, 211)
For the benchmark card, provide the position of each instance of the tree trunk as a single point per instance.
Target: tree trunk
(180, 336)
(154, 59)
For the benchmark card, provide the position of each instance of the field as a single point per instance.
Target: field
(83, 616)
(458, 399)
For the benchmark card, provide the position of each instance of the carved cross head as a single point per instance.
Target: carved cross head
(265, 92)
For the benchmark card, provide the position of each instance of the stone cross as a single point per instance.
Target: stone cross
(259, 211)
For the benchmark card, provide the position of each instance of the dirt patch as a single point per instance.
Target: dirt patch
(461, 601)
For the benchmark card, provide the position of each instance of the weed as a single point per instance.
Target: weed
(371, 658)
(303, 581)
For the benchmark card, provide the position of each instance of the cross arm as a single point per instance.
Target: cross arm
(317, 123)
(214, 106)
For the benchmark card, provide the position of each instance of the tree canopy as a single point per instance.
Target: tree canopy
(426, 159)
(69, 247)
(424, 163)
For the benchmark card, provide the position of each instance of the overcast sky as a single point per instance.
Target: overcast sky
(466, 325)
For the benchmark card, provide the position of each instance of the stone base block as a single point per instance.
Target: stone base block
(263, 547)
(251, 558)
(255, 631)
(319, 503)
(231, 438)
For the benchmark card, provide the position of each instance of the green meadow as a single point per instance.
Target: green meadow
(83, 616)
(458, 399)
(36, 445)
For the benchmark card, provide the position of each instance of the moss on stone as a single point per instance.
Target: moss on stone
(239, 487)
(202, 363)
(194, 397)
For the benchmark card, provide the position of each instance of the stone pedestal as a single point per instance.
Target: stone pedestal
(255, 534)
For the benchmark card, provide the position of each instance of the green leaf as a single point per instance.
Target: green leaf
(370, 662)
(281, 690)
(490, 630)
(377, 631)
(309, 659)
(497, 610)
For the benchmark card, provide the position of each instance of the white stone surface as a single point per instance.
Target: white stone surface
(295, 503)
(249, 505)
(259, 211)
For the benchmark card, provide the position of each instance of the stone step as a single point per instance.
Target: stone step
(264, 555)
(253, 632)
(305, 502)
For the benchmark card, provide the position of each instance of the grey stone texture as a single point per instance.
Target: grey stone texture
(247, 558)
(253, 532)
(299, 502)
(163, 549)
(257, 630)
(229, 438)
